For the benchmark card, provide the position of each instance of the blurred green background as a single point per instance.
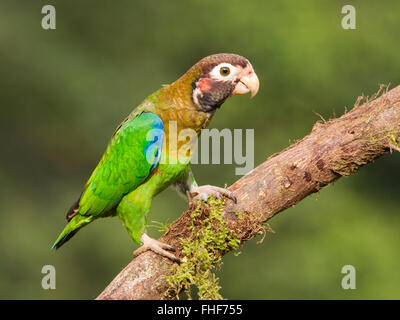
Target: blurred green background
(63, 92)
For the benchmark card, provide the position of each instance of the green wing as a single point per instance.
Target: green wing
(132, 154)
(130, 157)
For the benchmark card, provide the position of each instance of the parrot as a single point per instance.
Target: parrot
(137, 165)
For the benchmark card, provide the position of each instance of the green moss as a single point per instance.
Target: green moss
(202, 253)
(346, 168)
(238, 214)
(393, 139)
(160, 226)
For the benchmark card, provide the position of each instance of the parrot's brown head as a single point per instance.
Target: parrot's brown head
(217, 77)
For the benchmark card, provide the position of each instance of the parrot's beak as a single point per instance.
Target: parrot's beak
(248, 83)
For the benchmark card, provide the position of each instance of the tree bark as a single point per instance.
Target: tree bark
(334, 148)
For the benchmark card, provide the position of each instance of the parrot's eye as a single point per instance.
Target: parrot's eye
(224, 71)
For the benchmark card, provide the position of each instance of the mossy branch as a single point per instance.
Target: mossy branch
(203, 250)
(334, 148)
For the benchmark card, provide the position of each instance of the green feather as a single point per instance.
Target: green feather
(70, 229)
(123, 167)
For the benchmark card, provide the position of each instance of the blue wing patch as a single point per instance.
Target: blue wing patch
(155, 138)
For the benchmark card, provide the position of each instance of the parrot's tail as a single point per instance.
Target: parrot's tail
(71, 228)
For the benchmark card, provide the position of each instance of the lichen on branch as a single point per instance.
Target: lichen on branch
(203, 249)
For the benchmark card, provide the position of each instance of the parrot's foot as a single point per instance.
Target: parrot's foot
(157, 247)
(204, 192)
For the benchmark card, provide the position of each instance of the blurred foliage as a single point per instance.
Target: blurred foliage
(64, 91)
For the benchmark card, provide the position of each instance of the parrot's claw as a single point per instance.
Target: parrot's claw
(204, 192)
(157, 247)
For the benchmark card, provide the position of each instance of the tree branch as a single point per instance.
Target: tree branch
(333, 149)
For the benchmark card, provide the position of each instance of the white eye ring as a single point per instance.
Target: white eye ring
(216, 73)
